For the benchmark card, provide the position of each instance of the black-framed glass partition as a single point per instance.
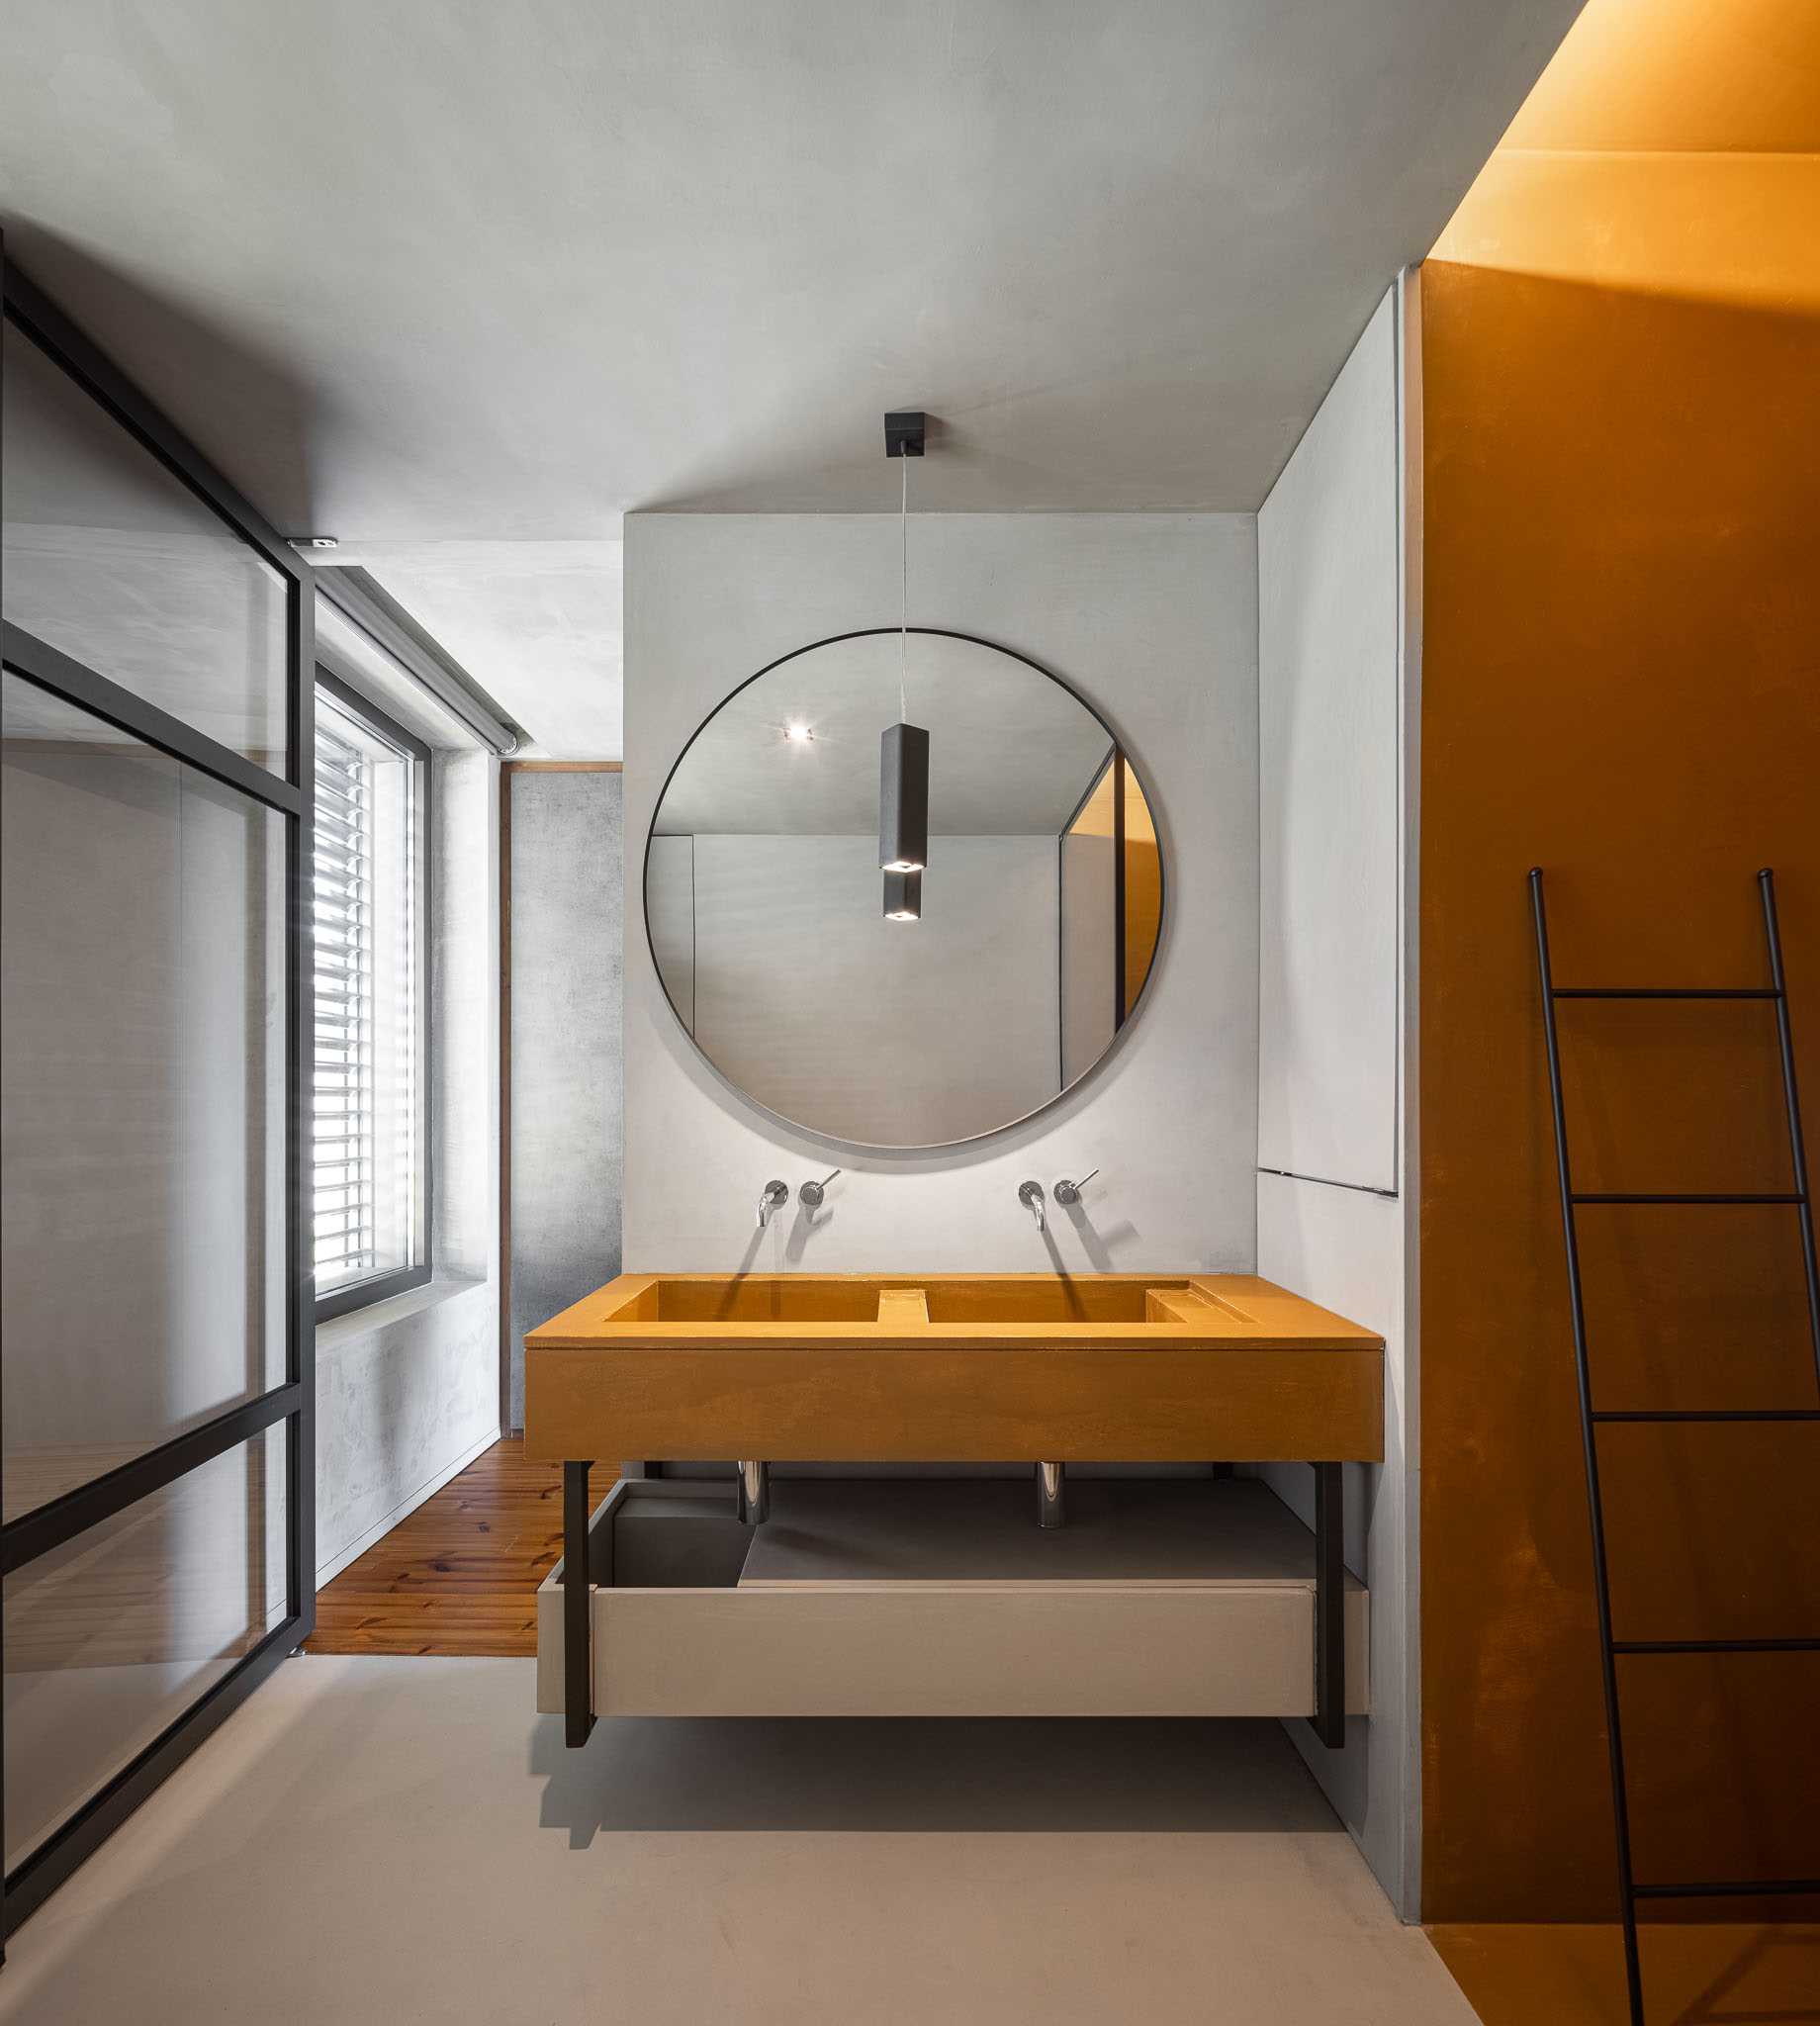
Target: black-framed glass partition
(156, 1333)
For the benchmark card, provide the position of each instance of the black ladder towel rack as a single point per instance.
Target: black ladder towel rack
(1590, 1418)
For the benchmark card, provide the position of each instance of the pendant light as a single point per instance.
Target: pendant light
(903, 799)
(903, 897)
(903, 751)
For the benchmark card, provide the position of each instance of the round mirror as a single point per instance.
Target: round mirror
(967, 986)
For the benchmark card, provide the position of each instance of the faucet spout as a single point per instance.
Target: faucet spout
(774, 1197)
(1030, 1194)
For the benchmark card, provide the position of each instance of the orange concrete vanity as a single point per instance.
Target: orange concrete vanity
(961, 1368)
(1185, 1593)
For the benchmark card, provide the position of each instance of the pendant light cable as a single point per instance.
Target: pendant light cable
(903, 635)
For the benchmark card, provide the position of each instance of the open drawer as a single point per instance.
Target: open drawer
(942, 1597)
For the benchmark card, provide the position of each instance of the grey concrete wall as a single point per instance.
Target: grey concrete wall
(407, 1391)
(1154, 618)
(567, 879)
(1337, 676)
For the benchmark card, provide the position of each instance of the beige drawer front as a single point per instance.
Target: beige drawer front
(955, 1649)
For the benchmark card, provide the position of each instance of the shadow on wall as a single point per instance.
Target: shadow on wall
(1621, 682)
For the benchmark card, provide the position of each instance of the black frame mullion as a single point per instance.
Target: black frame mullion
(39, 1873)
(292, 797)
(75, 1511)
(96, 374)
(299, 1081)
(61, 675)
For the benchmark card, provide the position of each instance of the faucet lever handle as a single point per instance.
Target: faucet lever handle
(811, 1193)
(1068, 1193)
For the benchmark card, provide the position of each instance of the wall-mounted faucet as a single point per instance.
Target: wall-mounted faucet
(811, 1193)
(1030, 1194)
(776, 1196)
(1068, 1193)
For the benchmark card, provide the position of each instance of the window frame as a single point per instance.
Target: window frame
(355, 1295)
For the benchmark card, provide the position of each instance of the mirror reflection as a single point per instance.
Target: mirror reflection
(904, 1008)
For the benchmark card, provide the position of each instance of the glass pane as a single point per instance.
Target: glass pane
(367, 930)
(141, 1096)
(116, 561)
(111, 1636)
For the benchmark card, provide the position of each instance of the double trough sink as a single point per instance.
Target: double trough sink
(977, 1369)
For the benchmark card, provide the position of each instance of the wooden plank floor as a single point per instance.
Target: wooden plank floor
(459, 1575)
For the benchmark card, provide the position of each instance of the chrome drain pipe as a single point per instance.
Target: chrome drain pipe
(1049, 1501)
(754, 1493)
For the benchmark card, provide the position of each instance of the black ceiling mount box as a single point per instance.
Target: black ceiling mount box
(904, 433)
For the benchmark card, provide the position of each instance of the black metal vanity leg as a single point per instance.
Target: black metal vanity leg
(1330, 1607)
(578, 1615)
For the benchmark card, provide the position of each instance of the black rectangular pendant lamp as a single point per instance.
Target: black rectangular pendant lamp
(903, 798)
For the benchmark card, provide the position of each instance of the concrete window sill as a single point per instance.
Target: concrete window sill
(445, 1287)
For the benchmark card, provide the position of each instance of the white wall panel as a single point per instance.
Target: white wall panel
(1329, 756)
(1339, 637)
(1344, 1248)
(1152, 618)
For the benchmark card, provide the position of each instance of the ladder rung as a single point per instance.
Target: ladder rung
(1727, 1888)
(1707, 1414)
(1607, 1196)
(1665, 992)
(1715, 1645)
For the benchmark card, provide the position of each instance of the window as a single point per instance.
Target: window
(371, 1158)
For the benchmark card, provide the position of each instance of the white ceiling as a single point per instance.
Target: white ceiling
(536, 624)
(1011, 752)
(420, 275)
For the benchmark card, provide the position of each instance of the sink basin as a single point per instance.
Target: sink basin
(952, 1368)
(854, 1297)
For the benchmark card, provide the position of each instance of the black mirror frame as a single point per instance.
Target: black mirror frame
(1121, 758)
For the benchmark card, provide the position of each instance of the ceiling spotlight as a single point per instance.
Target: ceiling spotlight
(799, 734)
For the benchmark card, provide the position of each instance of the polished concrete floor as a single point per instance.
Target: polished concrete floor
(399, 1840)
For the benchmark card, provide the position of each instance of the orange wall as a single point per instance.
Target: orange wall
(1622, 682)
(1671, 145)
